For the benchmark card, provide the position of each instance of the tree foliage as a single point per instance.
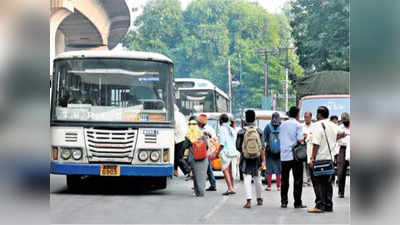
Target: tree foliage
(321, 32)
(202, 38)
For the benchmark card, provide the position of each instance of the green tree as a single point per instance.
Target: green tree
(321, 33)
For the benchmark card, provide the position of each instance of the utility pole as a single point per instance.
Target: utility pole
(286, 76)
(266, 53)
(230, 85)
(241, 83)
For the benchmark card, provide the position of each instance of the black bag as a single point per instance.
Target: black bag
(184, 165)
(300, 152)
(324, 167)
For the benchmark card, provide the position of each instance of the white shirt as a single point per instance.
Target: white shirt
(181, 127)
(307, 130)
(345, 141)
(208, 129)
(318, 138)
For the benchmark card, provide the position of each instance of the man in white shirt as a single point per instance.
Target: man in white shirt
(324, 136)
(307, 134)
(181, 127)
(344, 153)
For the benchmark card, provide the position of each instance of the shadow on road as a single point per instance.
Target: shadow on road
(112, 186)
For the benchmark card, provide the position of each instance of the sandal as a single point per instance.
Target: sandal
(259, 201)
(247, 205)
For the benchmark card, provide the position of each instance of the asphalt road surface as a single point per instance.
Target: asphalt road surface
(122, 202)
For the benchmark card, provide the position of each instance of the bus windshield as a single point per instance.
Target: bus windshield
(336, 106)
(196, 101)
(120, 90)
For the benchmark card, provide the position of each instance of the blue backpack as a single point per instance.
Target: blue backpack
(274, 142)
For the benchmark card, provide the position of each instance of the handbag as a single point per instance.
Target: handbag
(324, 167)
(300, 152)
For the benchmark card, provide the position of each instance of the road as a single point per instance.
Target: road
(117, 202)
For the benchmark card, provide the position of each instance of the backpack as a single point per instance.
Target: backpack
(199, 149)
(274, 141)
(251, 143)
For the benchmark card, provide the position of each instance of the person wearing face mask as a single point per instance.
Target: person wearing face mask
(344, 153)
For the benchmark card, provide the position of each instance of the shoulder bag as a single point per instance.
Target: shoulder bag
(324, 167)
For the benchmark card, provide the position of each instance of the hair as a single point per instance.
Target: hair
(345, 115)
(192, 118)
(250, 116)
(308, 113)
(224, 118)
(334, 117)
(323, 111)
(293, 112)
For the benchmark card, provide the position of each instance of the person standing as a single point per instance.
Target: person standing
(199, 166)
(227, 150)
(307, 134)
(324, 135)
(249, 143)
(291, 133)
(181, 128)
(344, 153)
(209, 133)
(273, 151)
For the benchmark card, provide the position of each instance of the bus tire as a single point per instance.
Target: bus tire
(73, 182)
(161, 183)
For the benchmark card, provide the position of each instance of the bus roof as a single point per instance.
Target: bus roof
(325, 96)
(201, 84)
(151, 56)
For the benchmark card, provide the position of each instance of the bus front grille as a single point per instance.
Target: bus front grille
(112, 146)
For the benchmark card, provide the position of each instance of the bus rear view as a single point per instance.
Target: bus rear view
(112, 115)
(337, 104)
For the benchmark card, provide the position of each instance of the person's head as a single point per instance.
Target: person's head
(250, 116)
(202, 120)
(192, 118)
(294, 112)
(345, 117)
(223, 118)
(334, 119)
(322, 113)
(307, 117)
(192, 123)
(276, 119)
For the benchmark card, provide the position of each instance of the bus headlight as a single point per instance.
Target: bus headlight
(143, 155)
(155, 156)
(77, 154)
(65, 153)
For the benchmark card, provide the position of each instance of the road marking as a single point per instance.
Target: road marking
(215, 209)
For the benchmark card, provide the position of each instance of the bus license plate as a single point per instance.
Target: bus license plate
(113, 171)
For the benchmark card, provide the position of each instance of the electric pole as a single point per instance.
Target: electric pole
(230, 85)
(266, 53)
(286, 49)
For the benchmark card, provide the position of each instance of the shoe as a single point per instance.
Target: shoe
(176, 173)
(229, 193)
(315, 210)
(328, 210)
(248, 204)
(283, 205)
(341, 195)
(268, 189)
(260, 201)
(211, 188)
(300, 206)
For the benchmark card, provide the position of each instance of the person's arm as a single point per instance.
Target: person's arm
(299, 133)
(262, 153)
(239, 141)
(314, 154)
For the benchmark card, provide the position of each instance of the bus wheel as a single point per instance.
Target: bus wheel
(73, 182)
(160, 183)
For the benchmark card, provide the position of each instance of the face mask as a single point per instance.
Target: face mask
(346, 123)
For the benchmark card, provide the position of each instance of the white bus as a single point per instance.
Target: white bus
(200, 96)
(112, 115)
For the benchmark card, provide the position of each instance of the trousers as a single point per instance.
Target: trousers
(342, 165)
(297, 168)
(247, 185)
(323, 191)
